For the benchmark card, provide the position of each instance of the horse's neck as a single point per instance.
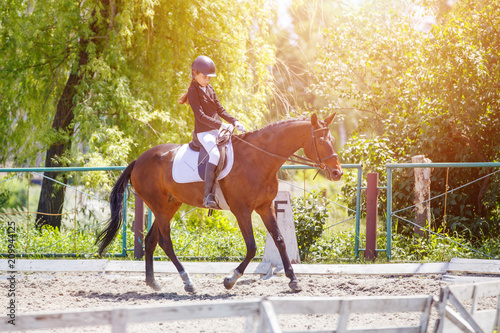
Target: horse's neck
(290, 138)
(280, 140)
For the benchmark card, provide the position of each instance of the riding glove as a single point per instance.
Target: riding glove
(239, 126)
(228, 127)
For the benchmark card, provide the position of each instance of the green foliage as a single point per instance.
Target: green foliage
(218, 220)
(52, 240)
(96, 83)
(310, 215)
(12, 194)
(431, 248)
(374, 154)
(16, 193)
(211, 237)
(423, 93)
(139, 56)
(336, 247)
(217, 237)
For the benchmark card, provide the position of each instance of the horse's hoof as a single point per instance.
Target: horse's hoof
(153, 285)
(228, 284)
(294, 285)
(189, 288)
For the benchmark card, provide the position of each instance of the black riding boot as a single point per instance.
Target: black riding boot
(209, 200)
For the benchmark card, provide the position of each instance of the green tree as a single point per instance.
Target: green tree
(435, 93)
(96, 82)
(296, 37)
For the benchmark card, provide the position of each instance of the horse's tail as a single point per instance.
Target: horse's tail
(116, 203)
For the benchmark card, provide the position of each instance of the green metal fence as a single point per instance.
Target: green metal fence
(390, 167)
(356, 216)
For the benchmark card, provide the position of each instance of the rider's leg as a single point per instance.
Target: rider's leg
(209, 198)
(208, 140)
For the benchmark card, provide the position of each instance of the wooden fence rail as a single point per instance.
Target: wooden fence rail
(262, 314)
(462, 320)
(118, 318)
(264, 311)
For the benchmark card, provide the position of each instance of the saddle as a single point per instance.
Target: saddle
(222, 140)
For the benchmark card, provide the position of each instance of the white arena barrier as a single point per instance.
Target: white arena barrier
(262, 314)
(463, 320)
(263, 311)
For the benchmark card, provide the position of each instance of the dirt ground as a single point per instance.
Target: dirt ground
(45, 292)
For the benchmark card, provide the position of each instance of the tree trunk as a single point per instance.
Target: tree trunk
(51, 200)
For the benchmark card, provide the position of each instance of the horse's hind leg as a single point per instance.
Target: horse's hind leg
(150, 245)
(165, 242)
(167, 246)
(268, 216)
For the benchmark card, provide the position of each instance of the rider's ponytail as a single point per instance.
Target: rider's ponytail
(184, 97)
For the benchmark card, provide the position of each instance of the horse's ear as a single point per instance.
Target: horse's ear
(329, 119)
(314, 120)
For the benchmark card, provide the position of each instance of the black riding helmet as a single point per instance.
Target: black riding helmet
(205, 65)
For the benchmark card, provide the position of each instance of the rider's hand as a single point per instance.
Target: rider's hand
(239, 126)
(228, 127)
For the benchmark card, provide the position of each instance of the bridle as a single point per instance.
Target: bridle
(300, 160)
(319, 164)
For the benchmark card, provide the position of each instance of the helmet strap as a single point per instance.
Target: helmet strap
(194, 72)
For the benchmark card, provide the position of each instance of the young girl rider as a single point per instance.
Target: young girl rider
(207, 112)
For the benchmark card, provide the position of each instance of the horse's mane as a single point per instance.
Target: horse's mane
(273, 126)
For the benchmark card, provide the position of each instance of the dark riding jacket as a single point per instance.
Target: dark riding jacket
(207, 109)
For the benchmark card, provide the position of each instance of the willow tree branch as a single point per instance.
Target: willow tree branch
(201, 34)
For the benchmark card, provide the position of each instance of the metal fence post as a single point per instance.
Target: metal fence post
(389, 212)
(150, 218)
(124, 233)
(371, 215)
(138, 227)
(358, 212)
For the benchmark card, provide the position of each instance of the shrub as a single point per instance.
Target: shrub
(310, 214)
(13, 193)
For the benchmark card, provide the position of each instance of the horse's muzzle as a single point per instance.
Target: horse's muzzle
(336, 174)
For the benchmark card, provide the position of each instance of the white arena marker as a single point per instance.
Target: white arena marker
(286, 224)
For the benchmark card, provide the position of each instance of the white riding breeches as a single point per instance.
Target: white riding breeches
(209, 141)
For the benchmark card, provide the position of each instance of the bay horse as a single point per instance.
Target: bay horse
(251, 185)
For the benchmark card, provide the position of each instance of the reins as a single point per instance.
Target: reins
(301, 160)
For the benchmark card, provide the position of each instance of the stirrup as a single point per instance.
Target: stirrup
(208, 202)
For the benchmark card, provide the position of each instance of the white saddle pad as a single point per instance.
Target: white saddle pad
(185, 167)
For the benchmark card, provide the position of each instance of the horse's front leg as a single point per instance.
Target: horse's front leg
(268, 216)
(245, 223)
